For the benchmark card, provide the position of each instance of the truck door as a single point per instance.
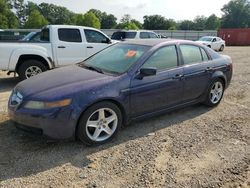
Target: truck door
(96, 41)
(69, 47)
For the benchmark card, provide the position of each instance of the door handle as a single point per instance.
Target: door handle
(178, 76)
(90, 47)
(208, 69)
(61, 47)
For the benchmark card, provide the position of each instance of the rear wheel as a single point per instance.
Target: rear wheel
(99, 123)
(215, 93)
(30, 68)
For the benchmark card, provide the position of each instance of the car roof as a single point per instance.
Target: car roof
(154, 42)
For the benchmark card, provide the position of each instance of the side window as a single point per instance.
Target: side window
(204, 55)
(214, 40)
(45, 35)
(164, 58)
(191, 54)
(69, 35)
(93, 36)
(144, 35)
(153, 35)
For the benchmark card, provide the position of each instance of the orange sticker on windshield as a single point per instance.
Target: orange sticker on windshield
(131, 53)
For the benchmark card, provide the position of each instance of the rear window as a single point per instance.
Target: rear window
(69, 35)
(123, 35)
(44, 36)
(191, 54)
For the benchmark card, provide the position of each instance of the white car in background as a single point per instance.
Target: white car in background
(133, 34)
(216, 43)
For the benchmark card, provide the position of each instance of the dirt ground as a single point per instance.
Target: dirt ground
(192, 147)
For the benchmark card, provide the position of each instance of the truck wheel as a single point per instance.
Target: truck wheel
(30, 68)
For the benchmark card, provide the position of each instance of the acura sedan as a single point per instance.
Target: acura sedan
(127, 81)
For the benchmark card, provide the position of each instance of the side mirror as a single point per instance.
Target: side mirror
(146, 72)
(109, 41)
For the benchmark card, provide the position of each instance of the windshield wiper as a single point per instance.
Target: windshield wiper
(93, 68)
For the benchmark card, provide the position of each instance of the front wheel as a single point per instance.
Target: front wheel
(30, 68)
(99, 123)
(215, 93)
(222, 48)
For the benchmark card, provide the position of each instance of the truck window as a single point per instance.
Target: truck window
(45, 35)
(93, 36)
(153, 35)
(69, 35)
(144, 35)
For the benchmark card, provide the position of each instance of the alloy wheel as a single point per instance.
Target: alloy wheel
(216, 92)
(101, 124)
(32, 71)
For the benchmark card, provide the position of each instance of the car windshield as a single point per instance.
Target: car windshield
(123, 35)
(206, 39)
(115, 59)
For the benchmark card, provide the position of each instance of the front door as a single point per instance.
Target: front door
(162, 90)
(96, 41)
(69, 47)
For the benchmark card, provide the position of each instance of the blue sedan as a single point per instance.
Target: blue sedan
(122, 83)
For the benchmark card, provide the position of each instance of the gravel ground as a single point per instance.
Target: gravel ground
(192, 147)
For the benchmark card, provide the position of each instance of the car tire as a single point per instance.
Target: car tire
(215, 92)
(221, 48)
(30, 68)
(99, 123)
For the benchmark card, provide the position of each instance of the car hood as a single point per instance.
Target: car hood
(61, 82)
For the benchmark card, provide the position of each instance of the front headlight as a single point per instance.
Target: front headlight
(47, 105)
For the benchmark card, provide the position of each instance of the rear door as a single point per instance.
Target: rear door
(198, 71)
(69, 47)
(96, 41)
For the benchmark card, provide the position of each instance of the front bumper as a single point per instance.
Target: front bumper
(54, 123)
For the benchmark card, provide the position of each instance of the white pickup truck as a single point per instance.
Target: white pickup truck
(59, 45)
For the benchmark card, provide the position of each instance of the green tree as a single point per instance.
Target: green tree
(107, 21)
(186, 25)
(200, 22)
(7, 17)
(89, 19)
(212, 23)
(80, 19)
(156, 22)
(57, 14)
(137, 23)
(236, 14)
(128, 23)
(35, 20)
(30, 6)
(126, 19)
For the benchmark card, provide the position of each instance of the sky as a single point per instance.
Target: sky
(175, 9)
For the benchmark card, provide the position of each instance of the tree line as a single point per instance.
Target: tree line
(19, 14)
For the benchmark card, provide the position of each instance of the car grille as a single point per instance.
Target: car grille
(16, 98)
